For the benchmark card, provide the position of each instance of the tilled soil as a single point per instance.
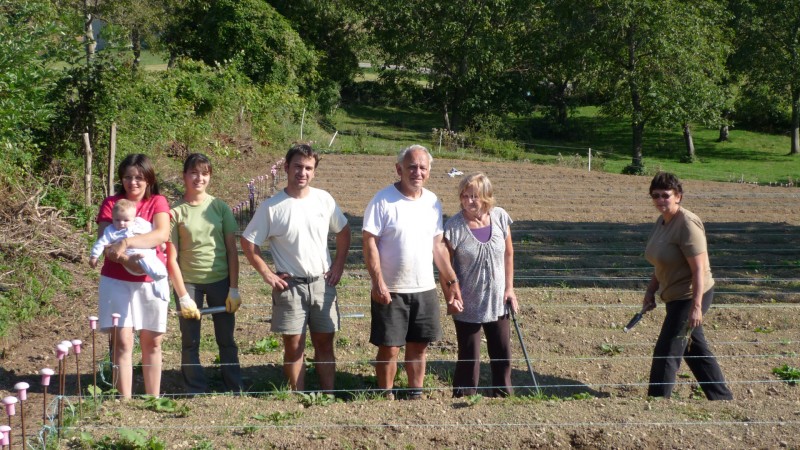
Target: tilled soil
(579, 240)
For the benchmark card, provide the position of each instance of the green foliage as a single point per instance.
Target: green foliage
(787, 373)
(272, 52)
(611, 349)
(74, 210)
(23, 296)
(165, 404)
(761, 108)
(697, 393)
(763, 329)
(582, 396)
(278, 417)
(473, 400)
(266, 345)
(31, 38)
(466, 50)
(317, 399)
(664, 63)
(129, 439)
(768, 54)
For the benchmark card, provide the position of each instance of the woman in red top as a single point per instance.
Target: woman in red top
(124, 289)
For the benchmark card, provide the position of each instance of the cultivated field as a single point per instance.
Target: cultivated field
(580, 273)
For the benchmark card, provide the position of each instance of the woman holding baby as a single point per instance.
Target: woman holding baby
(124, 288)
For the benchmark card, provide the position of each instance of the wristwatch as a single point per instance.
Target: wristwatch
(452, 282)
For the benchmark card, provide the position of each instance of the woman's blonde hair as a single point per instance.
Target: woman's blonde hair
(481, 184)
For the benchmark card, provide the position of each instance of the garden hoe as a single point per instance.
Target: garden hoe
(510, 310)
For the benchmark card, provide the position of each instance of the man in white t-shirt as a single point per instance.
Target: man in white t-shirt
(402, 235)
(296, 222)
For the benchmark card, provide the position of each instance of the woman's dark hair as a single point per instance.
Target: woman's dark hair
(666, 181)
(145, 166)
(303, 149)
(197, 160)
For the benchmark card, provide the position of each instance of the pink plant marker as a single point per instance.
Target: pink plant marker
(63, 351)
(10, 403)
(11, 408)
(5, 435)
(22, 394)
(22, 390)
(115, 322)
(46, 374)
(93, 325)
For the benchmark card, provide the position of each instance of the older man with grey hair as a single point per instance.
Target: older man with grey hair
(402, 235)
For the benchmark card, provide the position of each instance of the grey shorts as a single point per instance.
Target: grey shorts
(408, 318)
(305, 302)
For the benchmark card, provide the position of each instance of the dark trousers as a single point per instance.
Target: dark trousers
(673, 344)
(468, 367)
(194, 376)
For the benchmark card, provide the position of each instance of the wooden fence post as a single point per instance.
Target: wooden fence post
(87, 176)
(112, 150)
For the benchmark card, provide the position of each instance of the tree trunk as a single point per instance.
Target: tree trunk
(687, 138)
(136, 46)
(637, 112)
(88, 32)
(723, 133)
(457, 114)
(637, 144)
(560, 104)
(795, 121)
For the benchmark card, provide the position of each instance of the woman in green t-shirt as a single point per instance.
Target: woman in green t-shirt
(204, 264)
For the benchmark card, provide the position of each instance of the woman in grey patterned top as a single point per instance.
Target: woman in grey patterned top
(479, 240)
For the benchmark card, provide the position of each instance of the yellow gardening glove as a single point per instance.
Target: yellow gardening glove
(188, 308)
(233, 302)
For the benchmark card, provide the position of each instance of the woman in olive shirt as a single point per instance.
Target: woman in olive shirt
(682, 277)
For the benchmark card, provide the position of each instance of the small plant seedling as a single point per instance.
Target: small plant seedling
(582, 396)
(317, 398)
(266, 345)
(278, 417)
(611, 349)
(765, 330)
(697, 393)
(788, 373)
(164, 404)
(473, 400)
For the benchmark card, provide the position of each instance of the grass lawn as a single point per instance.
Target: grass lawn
(748, 156)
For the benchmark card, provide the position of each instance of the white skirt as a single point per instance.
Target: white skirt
(136, 302)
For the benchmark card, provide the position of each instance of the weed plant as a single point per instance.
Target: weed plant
(788, 373)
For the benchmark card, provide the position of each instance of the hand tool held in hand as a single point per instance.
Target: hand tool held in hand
(213, 310)
(634, 320)
(510, 310)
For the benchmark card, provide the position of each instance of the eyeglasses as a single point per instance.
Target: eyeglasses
(663, 195)
(131, 179)
(470, 197)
